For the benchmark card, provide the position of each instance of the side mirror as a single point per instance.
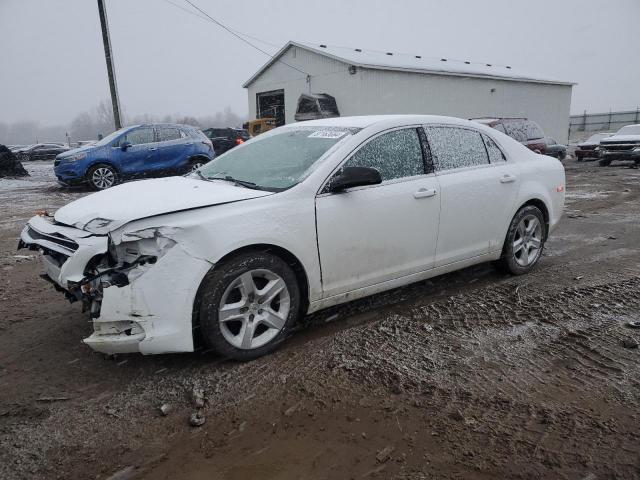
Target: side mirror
(354, 177)
(125, 146)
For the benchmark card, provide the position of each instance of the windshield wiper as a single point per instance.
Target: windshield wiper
(242, 183)
(206, 179)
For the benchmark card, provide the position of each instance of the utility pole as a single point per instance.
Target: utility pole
(109, 58)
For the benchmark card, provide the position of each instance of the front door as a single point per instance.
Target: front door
(371, 234)
(136, 159)
(478, 188)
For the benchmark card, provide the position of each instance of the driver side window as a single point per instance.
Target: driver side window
(138, 136)
(395, 154)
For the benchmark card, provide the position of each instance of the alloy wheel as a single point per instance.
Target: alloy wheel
(527, 242)
(103, 177)
(195, 166)
(254, 309)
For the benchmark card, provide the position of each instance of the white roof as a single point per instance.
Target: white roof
(410, 63)
(364, 121)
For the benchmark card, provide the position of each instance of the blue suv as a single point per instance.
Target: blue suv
(132, 152)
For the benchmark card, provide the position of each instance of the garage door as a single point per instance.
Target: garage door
(271, 104)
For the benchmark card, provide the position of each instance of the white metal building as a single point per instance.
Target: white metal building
(366, 82)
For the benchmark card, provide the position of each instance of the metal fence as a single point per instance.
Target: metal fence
(594, 122)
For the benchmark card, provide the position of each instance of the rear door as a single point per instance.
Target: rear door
(478, 187)
(376, 233)
(173, 149)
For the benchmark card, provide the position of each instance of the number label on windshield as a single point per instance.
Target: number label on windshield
(326, 134)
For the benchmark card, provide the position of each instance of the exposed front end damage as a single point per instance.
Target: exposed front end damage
(138, 288)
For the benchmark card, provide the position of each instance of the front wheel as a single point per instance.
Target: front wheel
(248, 305)
(524, 242)
(102, 176)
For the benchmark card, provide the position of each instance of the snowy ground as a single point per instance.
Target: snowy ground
(471, 375)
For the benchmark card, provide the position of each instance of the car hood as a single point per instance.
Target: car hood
(620, 138)
(105, 211)
(73, 151)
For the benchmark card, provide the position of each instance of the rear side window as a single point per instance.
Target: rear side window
(524, 130)
(396, 154)
(453, 147)
(166, 134)
(517, 130)
(495, 154)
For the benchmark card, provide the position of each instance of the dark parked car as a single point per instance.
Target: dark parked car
(224, 139)
(554, 149)
(588, 150)
(523, 130)
(137, 151)
(40, 151)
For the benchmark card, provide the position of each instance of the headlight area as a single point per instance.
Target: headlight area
(121, 266)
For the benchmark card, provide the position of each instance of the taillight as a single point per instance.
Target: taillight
(239, 141)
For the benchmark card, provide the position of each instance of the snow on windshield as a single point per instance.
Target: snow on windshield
(277, 160)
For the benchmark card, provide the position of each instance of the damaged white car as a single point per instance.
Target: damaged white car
(301, 218)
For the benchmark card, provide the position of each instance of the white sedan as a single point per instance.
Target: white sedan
(301, 218)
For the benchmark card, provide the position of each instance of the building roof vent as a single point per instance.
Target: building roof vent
(418, 56)
(443, 59)
(358, 49)
(389, 53)
(323, 46)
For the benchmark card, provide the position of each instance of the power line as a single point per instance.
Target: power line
(195, 14)
(235, 34)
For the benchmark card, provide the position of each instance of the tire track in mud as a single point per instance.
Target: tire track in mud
(501, 359)
(508, 362)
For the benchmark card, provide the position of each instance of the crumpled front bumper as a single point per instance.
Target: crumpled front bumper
(152, 313)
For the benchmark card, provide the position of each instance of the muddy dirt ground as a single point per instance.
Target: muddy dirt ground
(472, 375)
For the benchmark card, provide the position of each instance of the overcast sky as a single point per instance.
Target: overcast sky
(169, 61)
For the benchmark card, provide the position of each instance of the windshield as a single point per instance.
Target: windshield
(629, 130)
(598, 136)
(112, 136)
(277, 160)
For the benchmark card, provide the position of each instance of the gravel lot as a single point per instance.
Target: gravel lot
(470, 375)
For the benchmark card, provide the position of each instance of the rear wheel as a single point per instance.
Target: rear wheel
(195, 164)
(102, 176)
(605, 162)
(248, 305)
(524, 242)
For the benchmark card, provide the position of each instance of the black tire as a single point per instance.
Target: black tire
(508, 261)
(604, 162)
(195, 163)
(216, 284)
(562, 155)
(94, 183)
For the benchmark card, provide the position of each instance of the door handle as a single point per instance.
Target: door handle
(153, 148)
(507, 179)
(425, 193)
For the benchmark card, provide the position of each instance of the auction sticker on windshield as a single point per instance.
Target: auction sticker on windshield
(327, 134)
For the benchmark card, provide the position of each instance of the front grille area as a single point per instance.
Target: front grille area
(56, 238)
(620, 148)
